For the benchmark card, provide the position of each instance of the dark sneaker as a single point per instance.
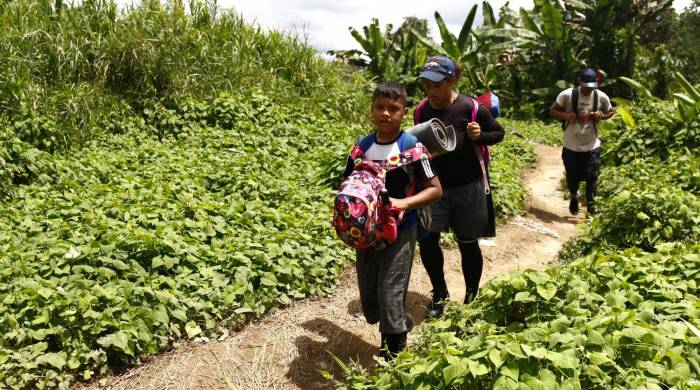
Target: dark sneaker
(468, 298)
(409, 322)
(573, 205)
(590, 209)
(436, 307)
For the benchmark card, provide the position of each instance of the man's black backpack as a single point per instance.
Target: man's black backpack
(574, 106)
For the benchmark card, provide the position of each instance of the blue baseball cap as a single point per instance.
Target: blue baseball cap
(589, 78)
(437, 68)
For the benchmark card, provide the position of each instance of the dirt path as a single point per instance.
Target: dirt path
(287, 348)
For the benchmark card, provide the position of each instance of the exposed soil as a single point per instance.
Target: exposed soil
(289, 347)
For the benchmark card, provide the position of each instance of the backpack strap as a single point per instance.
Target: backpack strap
(361, 147)
(574, 107)
(595, 108)
(477, 151)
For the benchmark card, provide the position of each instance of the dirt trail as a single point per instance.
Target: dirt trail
(287, 348)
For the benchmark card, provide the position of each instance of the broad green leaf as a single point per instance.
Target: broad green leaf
(455, 370)
(511, 371)
(692, 92)
(564, 359)
(626, 117)
(476, 368)
(553, 21)
(463, 38)
(547, 291)
(55, 359)
(448, 40)
(637, 86)
(524, 296)
(117, 340)
(192, 329)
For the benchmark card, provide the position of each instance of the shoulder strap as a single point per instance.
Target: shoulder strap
(595, 108)
(477, 151)
(361, 147)
(574, 100)
(418, 111)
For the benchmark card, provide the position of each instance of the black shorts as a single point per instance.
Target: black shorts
(466, 210)
(581, 166)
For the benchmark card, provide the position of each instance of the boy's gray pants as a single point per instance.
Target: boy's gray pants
(383, 277)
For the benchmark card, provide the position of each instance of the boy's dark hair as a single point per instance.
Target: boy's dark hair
(392, 90)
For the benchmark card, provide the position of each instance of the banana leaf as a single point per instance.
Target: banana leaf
(637, 86)
(463, 38)
(690, 90)
(448, 40)
(553, 22)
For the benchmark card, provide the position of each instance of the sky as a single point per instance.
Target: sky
(325, 22)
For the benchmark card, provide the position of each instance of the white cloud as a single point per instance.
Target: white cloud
(326, 22)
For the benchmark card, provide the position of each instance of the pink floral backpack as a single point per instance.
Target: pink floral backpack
(362, 217)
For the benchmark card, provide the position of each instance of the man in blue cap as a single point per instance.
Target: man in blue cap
(581, 108)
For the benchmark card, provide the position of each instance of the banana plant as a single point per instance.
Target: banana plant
(459, 47)
(688, 103)
(373, 42)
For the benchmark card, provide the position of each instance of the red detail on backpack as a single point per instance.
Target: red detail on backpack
(360, 217)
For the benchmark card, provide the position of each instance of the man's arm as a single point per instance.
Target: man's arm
(557, 112)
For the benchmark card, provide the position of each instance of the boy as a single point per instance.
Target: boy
(383, 275)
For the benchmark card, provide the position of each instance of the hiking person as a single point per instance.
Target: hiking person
(383, 275)
(582, 108)
(466, 206)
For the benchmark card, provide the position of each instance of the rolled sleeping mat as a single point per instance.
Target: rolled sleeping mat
(438, 138)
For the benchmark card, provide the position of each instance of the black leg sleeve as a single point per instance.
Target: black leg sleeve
(472, 266)
(433, 261)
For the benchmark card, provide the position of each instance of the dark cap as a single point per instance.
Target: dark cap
(437, 68)
(589, 78)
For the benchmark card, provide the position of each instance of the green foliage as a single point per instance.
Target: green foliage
(508, 159)
(649, 183)
(70, 69)
(394, 55)
(20, 163)
(613, 321)
(534, 130)
(192, 220)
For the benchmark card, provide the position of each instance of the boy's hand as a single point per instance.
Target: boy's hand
(473, 131)
(399, 203)
(597, 116)
(571, 117)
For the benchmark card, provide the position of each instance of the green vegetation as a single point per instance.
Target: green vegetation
(618, 321)
(529, 56)
(155, 186)
(621, 312)
(166, 172)
(70, 71)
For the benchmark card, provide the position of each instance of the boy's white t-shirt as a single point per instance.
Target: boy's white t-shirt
(582, 137)
(379, 152)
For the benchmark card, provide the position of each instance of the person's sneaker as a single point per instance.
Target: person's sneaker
(436, 306)
(573, 205)
(590, 209)
(409, 322)
(468, 298)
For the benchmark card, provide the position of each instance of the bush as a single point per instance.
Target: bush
(614, 321)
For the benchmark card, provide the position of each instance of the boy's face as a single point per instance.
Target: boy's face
(387, 114)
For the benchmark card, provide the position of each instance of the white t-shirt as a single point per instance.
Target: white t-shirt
(582, 137)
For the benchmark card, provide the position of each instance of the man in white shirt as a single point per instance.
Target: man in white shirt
(581, 108)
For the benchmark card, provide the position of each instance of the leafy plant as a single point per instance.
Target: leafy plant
(607, 321)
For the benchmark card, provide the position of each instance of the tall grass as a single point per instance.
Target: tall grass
(80, 64)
